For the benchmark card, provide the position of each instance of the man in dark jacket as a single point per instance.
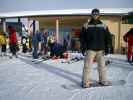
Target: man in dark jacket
(94, 38)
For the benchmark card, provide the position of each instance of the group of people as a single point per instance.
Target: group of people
(13, 43)
(39, 43)
(95, 39)
(42, 43)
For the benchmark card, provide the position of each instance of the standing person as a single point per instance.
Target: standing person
(24, 40)
(13, 41)
(94, 37)
(36, 39)
(66, 42)
(128, 37)
(3, 43)
(44, 41)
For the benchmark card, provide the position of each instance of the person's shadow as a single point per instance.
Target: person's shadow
(54, 70)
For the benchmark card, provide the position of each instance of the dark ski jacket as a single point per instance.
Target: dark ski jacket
(95, 36)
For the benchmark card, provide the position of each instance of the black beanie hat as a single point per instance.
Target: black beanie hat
(95, 11)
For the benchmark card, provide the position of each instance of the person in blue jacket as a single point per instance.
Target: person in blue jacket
(57, 50)
(35, 42)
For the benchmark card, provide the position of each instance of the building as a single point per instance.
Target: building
(66, 20)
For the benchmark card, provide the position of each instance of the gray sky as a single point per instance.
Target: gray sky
(22, 5)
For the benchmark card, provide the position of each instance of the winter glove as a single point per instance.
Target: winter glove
(83, 51)
(107, 51)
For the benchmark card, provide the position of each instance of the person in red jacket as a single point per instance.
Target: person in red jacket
(128, 37)
(12, 41)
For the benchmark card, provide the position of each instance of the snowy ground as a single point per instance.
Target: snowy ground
(22, 79)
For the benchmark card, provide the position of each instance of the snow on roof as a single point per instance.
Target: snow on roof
(104, 11)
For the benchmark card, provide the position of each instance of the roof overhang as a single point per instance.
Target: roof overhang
(104, 11)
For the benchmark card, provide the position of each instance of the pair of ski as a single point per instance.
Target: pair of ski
(72, 61)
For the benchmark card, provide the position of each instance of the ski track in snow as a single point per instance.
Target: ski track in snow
(22, 79)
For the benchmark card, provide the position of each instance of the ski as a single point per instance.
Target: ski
(40, 60)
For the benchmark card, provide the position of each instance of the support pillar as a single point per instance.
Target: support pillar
(119, 36)
(34, 26)
(3, 20)
(57, 30)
